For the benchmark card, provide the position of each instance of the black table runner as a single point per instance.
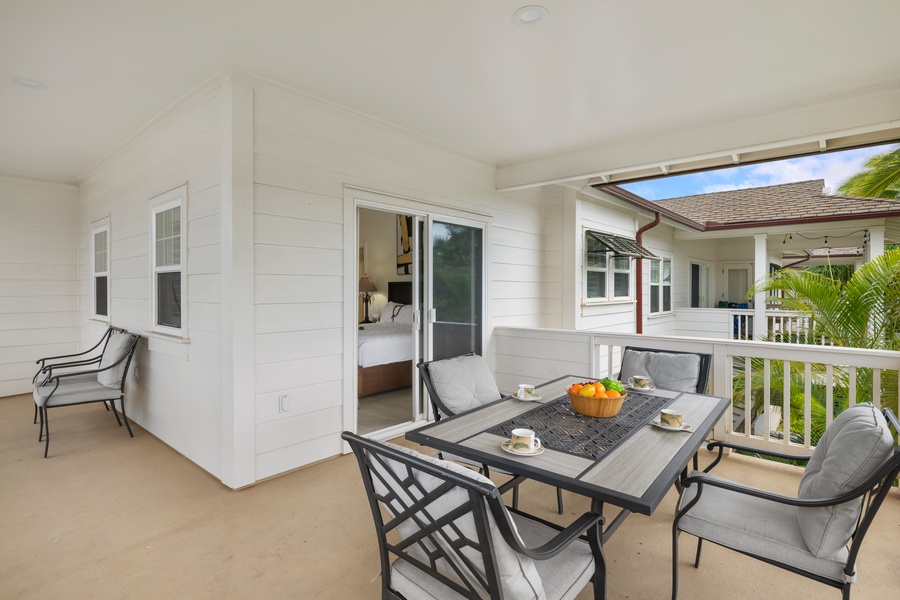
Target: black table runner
(560, 428)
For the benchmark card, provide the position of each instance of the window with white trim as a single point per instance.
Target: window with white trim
(100, 270)
(168, 276)
(606, 275)
(661, 285)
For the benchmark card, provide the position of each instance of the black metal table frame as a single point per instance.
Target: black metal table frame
(599, 496)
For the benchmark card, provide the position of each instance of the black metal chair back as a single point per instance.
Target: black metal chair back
(413, 495)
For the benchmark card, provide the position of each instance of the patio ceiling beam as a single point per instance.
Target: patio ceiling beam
(841, 120)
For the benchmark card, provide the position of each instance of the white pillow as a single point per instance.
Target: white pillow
(405, 315)
(396, 313)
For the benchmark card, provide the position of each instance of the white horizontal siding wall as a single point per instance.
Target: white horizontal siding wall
(178, 397)
(615, 316)
(305, 153)
(38, 277)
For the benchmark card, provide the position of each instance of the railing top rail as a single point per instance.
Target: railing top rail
(854, 357)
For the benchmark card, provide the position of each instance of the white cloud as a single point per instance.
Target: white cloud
(834, 168)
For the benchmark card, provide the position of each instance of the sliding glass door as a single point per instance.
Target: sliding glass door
(456, 311)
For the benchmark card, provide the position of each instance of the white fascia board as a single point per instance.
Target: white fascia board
(865, 113)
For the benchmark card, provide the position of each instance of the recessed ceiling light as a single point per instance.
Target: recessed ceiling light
(29, 83)
(529, 16)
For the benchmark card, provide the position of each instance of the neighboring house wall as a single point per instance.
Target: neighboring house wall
(611, 316)
(38, 277)
(178, 397)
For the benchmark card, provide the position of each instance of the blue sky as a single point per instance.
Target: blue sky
(834, 168)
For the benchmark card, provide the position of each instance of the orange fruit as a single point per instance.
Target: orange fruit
(612, 394)
(575, 388)
(600, 392)
(600, 387)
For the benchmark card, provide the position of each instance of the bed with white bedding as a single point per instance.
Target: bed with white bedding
(386, 347)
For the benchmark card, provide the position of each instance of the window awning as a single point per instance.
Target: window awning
(621, 246)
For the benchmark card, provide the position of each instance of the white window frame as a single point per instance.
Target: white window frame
(658, 287)
(610, 279)
(96, 229)
(176, 198)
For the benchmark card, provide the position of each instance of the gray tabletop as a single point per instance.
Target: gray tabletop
(635, 473)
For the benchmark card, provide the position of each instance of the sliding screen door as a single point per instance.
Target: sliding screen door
(457, 286)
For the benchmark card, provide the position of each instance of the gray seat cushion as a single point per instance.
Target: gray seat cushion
(116, 348)
(516, 572)
(73, 390)
(756, 526)
(678, 372)
(463, 382)
(563, 576)
(853, 448)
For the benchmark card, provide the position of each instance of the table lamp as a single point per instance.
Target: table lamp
(366, 287)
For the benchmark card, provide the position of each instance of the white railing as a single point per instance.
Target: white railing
(819, 375)
(737, 324)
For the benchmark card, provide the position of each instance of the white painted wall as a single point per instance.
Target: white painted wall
(305, 154)
(38, 277)
(178, 397)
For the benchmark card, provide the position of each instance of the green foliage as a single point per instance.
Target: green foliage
(862, 311)
(457, 255)
(880, 179)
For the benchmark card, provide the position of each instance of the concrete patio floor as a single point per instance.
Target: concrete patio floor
(107, 516)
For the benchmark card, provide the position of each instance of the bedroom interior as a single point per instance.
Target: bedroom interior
(385, 346)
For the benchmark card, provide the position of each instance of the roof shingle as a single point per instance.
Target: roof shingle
(774, 203)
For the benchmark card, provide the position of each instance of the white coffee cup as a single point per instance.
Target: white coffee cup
(639, 381)
(523, 440)
(671, 418)
(526, 391)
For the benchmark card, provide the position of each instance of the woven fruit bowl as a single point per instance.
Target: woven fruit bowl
(590, 406)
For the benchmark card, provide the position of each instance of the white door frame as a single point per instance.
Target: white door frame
(354, 199)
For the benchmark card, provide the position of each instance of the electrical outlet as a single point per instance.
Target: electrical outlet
(282, 403)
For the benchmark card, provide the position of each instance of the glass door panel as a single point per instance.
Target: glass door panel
(457, 285)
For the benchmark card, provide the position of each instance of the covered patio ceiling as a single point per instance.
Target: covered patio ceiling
(600, 90)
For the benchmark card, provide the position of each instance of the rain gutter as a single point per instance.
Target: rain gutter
(639, 274)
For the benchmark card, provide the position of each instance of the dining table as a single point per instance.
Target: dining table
(627, 460)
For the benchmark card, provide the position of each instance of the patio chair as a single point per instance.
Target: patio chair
(819, 533)
(72, 361)
(461, 383)
(668, 369)
(56, 384)
(444, 533)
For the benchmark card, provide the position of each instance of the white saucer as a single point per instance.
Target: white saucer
(532, 399)
(637, 389)
(684, 426)
(507, 445)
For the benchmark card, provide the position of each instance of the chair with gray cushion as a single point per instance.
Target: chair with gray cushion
(818, 534)
(459, 384)
(668, 369)
(56, 384)
(444, 534)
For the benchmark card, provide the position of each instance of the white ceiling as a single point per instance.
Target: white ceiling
(459, 72)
